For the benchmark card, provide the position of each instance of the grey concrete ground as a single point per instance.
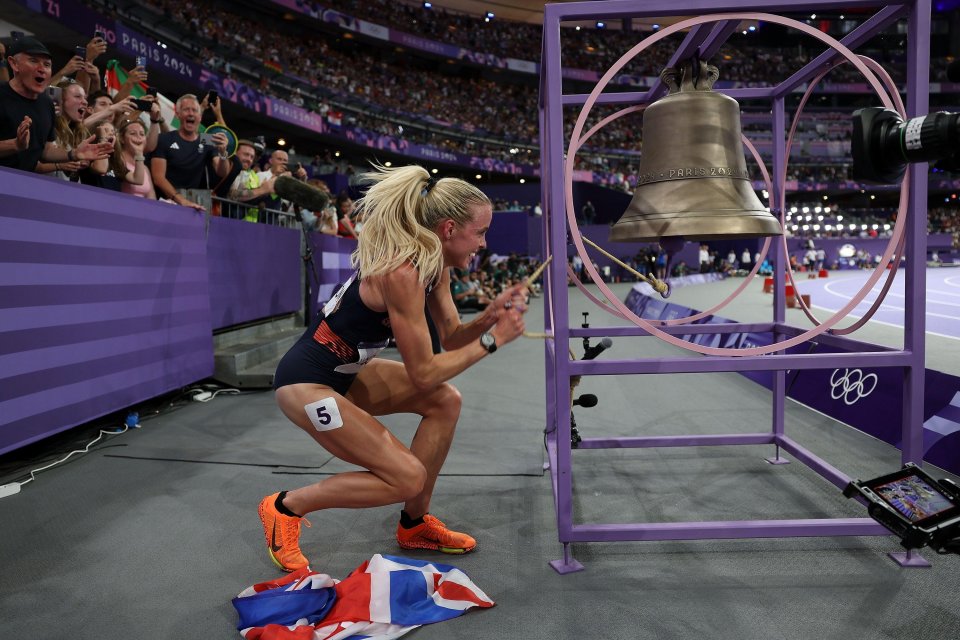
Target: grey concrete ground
(151, 534)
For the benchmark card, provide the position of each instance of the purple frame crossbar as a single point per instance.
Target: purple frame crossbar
(559, 367)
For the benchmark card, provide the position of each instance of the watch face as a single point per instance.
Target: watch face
(488, 341)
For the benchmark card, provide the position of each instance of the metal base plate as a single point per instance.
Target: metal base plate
(564, 567)
(906, 559)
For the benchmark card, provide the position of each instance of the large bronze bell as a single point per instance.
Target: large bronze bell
(693, 181)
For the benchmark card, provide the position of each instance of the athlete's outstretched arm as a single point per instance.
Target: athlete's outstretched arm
(446, 317)
(403, 296)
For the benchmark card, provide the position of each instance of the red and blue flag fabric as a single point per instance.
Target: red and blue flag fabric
(384, 598)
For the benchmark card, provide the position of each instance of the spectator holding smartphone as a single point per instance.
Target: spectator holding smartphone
(182, 159)
(81, 65)
(90, 74)
(122, 110)
(27, 113)
(135, 77)
(211, 101)
(158, 124)
(114, 112)
(69, 131)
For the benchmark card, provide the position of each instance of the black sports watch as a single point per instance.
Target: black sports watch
(488, 341)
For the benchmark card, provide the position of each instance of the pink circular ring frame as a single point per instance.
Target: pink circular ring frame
(898, 253)
(575, 142)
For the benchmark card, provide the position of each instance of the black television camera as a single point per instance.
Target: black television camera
(883, 143)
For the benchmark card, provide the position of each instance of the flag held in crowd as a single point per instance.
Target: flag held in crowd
(114, 78)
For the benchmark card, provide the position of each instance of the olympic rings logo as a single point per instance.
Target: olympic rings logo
(852, 386)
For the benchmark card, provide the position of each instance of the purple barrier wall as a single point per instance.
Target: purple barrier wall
(104, 303)
(331, 257)
(867, 399)
(509, 233)
(254, 271)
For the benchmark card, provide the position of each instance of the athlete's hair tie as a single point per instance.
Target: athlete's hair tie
(431, 182)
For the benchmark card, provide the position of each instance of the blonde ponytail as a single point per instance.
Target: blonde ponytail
(401, 210)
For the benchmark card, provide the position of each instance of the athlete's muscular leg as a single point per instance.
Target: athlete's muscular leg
(395, 474)
(383, 388)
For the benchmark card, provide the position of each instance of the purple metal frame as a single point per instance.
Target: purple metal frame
(559, 367)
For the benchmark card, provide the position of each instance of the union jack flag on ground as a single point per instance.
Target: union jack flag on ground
(383, 598)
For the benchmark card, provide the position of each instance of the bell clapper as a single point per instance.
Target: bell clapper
(659, 286)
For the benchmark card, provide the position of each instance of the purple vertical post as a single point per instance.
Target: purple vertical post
(779, 258)
(552, 165)
(546, 150)
(779, 312)
(918, 103)
(915, 284)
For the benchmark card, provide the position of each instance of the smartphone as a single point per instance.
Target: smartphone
(143, 105)
(212, 98)
(99, 34)
(55, 93)
(152, 91)
(206, 138)
(141, 62)
(80, 52)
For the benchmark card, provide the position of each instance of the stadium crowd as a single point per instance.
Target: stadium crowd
(466, 116)
(390, 100)
(588, 48)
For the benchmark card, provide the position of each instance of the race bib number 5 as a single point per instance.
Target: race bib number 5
(324, 414)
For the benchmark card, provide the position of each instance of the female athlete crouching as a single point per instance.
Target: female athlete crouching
(330, 384)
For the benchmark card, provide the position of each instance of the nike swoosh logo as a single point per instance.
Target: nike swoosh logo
(273, 540)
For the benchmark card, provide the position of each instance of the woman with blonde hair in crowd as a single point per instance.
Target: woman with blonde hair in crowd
(331, 385)
(69, 130)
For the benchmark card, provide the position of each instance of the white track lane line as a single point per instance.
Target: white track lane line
(888, 324)
(885, 306)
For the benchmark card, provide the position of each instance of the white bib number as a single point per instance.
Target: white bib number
(324, 414)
